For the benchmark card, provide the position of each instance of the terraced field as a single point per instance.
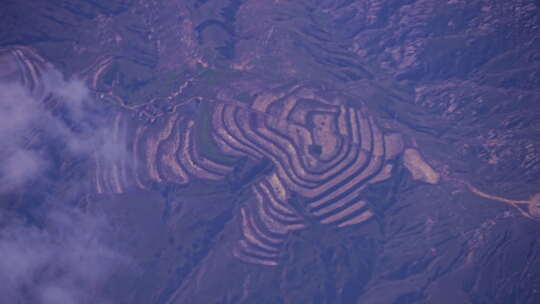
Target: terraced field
(22, 65)
(323, 151)
(234, 151)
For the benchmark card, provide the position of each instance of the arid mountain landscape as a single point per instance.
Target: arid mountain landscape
(272, 151)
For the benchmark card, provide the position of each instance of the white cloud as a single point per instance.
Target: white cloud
(65, 259)
(19, 166)
(23, 115)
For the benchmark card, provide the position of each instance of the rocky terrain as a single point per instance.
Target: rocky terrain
(241, 151)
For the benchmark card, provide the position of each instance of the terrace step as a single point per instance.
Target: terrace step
(324, 151)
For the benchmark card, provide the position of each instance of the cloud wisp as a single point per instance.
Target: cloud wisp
(63, 257)
(74, 125)
(65, 261)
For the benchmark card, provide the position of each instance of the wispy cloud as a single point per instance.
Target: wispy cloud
(64, 259)
(76, 127)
